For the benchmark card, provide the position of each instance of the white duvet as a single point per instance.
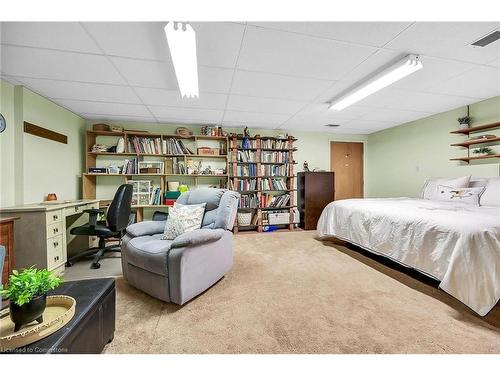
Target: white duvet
(455, 243)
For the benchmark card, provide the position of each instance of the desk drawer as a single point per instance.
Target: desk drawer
(55, 247)
(55, 229)
(54, 216)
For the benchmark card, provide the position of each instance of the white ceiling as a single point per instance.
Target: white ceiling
(274, 75)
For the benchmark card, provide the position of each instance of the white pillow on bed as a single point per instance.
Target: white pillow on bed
(462, 195)
(491, 195)
(430, 189)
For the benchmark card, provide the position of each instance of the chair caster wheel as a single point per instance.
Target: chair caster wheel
(69, 264)
(95, 266)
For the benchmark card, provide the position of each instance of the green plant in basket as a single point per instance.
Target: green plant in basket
(28, 284)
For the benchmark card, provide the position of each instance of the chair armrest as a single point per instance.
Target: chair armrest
(93, 214)
(146, 228)
(197, 237)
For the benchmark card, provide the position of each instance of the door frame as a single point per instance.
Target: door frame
(365, 149)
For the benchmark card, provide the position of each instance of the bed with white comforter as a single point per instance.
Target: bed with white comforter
(456, 243)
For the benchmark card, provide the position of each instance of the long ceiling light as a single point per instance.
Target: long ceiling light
(182, 44)
(410, 64)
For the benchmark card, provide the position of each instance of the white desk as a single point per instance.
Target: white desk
(42, 235)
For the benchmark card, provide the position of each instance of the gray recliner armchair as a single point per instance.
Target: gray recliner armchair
(180, 269)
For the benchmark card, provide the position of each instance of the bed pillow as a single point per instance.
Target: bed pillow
(430, 189)
(183, 218)
(491, 195)
(462, 195)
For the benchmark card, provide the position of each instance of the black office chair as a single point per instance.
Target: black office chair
(117, 219)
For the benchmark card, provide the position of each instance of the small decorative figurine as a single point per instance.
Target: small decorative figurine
(246, 134)
(306, 167)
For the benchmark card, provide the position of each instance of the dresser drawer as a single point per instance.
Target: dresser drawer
(55, 251)
(55, 229)
(54, 216)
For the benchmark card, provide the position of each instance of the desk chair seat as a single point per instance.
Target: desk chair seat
(117, 219)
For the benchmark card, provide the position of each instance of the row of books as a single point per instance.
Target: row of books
(246, 170)
(174, 146)
(273, 184)
(144, 145)
(176, 166)
(250, 143)
(249, 201)
(274, 143)
(274, 156)
(130, 166)
(247, 184)
(246, 156)
(273, 170)
(274, 201)
(156, 197)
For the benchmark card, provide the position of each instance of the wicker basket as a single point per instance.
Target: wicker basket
(244, 218)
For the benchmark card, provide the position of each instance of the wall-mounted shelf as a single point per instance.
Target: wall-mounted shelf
(478, 142)
(471, 158)
(475, 142)
(479, 128)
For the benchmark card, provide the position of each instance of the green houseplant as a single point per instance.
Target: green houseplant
(27, 293)
(464, 122)
(482, 151)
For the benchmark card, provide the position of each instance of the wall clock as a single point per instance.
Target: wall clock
(3, 124)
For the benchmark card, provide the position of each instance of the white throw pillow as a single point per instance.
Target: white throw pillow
(183, 218)
(463, 195)
(430, 189)
(491, 195)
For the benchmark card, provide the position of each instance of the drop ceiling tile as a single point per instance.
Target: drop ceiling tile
(268, 105)
(252, 125)
(218, 43)
(322, 112)
(448, 40)
(279, 52)
(481, 82)
(261, 118)
(215, 80)
(147, 73)
(39, 63)
(173, 99)
(97, 117)
(112, 109)
(69, 36)
(81, 91)
(392, 116)
(141, 40)
(425, 102)
(277, 86)
(205, 115)
(368, 33)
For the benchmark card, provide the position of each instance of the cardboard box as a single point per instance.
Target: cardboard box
(208, 151)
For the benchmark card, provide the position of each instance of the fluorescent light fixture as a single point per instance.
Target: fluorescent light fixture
(410, 64)
(182, 44)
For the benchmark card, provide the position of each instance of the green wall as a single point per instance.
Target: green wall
(399, 159)
(36, 166)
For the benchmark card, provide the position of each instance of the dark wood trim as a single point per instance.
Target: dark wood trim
(44, 133)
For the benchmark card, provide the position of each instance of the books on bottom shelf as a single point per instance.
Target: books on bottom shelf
(156, 197)
(274, 201)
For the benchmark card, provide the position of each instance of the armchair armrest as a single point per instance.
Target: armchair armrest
(93, 214)
(197, 237)
(146, 228)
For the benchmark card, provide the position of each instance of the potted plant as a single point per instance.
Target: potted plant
(464, 122)
(27, 292)
(481, 151)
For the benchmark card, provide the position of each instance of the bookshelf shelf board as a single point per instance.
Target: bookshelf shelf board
(125, 174)
(247, 191)
(473, 142)
(210, 137)
(244, 149)
(207, 156)
(276, 208)
(261, 177)
(472, 158)
(106, 133)
(478, 128)
(151, 206)
(198, 175)
(279, 149)
(276, 191)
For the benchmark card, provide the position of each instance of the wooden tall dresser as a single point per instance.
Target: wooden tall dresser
(314, 191)
(7, 240)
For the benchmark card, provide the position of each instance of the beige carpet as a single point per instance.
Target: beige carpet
(289, 293)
